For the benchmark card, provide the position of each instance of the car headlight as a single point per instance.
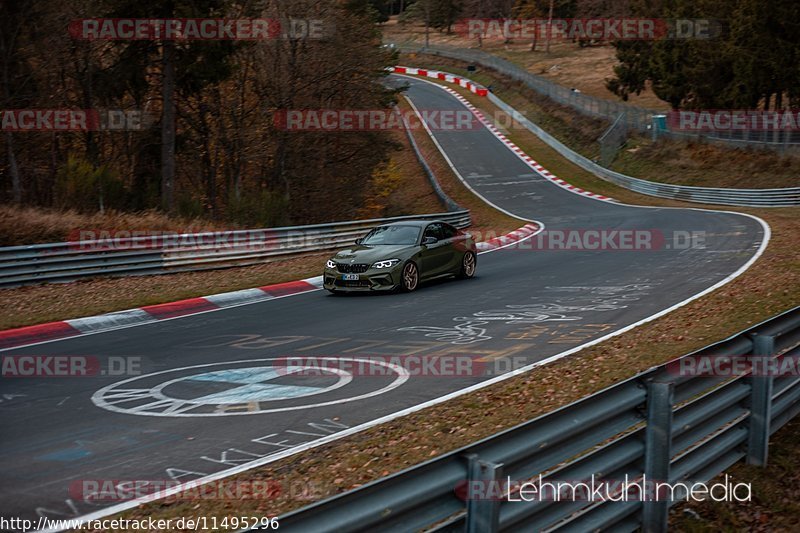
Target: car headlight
(389, 263)
(330, 264)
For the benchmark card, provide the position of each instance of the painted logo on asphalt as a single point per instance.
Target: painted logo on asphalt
(243, 388)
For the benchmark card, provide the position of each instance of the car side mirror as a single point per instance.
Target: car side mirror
(359, 240)
(429, 240)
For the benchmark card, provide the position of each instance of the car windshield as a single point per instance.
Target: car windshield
(392, 235)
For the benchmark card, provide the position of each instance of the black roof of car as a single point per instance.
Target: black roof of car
(413, 223)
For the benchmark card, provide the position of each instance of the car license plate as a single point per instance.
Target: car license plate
(350, 277)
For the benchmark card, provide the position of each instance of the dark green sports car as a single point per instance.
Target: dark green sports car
(399, 256)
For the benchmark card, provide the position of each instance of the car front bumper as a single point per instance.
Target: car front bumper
(374, 279)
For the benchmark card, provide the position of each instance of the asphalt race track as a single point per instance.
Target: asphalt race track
(208, 399)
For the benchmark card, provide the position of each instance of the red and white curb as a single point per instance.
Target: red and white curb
(497, 133)
(151, 313)
(470, 85)
(14, 338)
(511, 238)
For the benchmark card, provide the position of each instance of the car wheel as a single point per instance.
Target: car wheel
(410, 277)
(468, 264)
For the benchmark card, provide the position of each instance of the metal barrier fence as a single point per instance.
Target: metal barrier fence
(661, 424)
(777, 140)
(448, 202)
(638, 118)
(613, 140)
(158, 254)
(783, 197)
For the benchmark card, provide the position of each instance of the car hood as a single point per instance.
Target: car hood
(370, 254)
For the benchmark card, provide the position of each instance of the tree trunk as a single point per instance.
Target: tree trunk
(427, 22)
(13, 168)
(209, 170)
(55, 150)
(168, 128)
(549, 27)
(16, 183)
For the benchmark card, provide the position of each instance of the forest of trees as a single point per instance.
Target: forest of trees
(213, 149)
(753, 64)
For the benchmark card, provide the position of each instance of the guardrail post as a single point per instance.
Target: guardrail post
(483, 508)
(658, 453)
(760, 403)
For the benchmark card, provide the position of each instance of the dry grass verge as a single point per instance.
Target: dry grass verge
(30, 225)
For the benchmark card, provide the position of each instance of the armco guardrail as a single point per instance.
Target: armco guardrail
(66, 261)
(636, 117)
(709, 195)
(448, 202)
(660, 424)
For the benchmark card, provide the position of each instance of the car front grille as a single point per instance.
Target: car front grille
(361, 284)
(356, 268)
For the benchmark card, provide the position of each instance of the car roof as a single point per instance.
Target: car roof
(417, 223)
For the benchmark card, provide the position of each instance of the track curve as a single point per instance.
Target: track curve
(523, 306)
